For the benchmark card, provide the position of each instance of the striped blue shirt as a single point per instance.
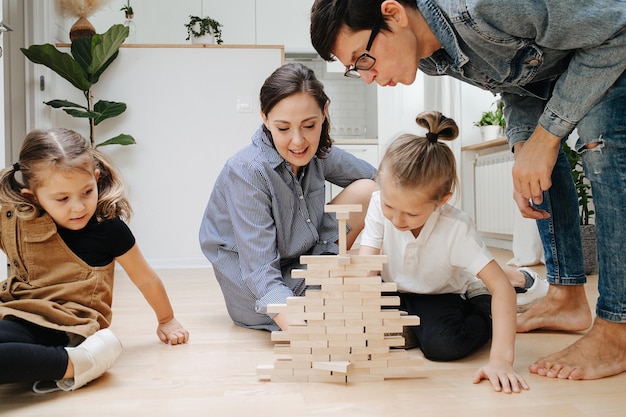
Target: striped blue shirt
(261, 218)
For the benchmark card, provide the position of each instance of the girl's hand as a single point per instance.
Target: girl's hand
(502, 377)
(172, 332)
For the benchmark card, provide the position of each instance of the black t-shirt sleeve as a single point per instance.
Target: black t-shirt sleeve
(99, 243)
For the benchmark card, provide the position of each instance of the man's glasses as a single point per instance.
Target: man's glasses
(365, 61)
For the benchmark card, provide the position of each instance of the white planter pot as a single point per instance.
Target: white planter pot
(209, 38)
(491, 132)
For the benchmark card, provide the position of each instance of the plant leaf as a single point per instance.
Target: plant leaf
(81, 51)
(107, 109)
(57, 104)
(122, 139)
(80, 113)
(104, 49)
(59, 62)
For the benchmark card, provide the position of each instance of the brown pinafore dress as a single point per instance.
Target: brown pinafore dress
(47, 283)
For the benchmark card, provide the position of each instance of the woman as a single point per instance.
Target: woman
(267, 206)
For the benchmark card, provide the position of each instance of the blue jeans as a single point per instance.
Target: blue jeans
(605, 167)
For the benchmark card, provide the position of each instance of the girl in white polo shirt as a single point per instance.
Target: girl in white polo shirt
(436, 257)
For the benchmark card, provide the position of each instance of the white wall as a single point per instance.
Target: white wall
(182, 111)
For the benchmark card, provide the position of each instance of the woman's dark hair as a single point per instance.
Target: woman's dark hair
(290, 79)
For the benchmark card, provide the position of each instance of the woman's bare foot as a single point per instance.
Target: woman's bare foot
(565, 307)
(598, 354)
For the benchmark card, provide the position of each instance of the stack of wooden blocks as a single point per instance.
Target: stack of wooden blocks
(346, 335)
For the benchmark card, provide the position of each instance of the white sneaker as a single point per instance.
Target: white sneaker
(91, 359)
(535, 293)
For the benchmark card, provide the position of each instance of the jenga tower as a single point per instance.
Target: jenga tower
(344, 338)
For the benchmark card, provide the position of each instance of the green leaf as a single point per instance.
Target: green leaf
(107, 109)
(104, 48)
(80, 113)
(81, 51)
(122, 139)
(59, 62)
(57, 104)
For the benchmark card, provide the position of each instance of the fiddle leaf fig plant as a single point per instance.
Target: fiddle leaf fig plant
(90, 57)
(583, 188)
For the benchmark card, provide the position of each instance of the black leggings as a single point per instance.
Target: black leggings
(451, 327)
(30, 353)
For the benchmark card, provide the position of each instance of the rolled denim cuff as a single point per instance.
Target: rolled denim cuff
(556, 125)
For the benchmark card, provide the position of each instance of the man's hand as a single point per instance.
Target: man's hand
(534, 162)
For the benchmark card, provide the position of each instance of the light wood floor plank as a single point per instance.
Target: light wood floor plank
(215, 374)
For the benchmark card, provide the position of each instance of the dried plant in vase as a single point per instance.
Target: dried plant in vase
(81, 10)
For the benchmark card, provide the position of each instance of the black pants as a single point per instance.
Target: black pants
(451, 327)
(30, 353)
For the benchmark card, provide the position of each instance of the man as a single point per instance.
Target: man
(558, 65)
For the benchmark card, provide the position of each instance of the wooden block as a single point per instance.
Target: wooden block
(337, 366)
(353, 315)
(343, 208)
(336, 378)
(365, 280)
(326, 322)
(284, 308)
(363, 259)
(335, 350)
(364, 323)
(345, 330)
(381, 363)
(264, 369)
(291, 364)
(309, 343)
(297, 329)
(310, 273)
(385, 300)
(344, 302)
(289, 378)
(327, 308)
(346, 343)
(362, 308)
(364, 378)
(369, 350)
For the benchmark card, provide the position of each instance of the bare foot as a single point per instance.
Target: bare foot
(598, 354)
(565, 307)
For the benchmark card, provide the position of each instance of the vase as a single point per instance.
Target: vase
(490, 132)
(82, 27)
(132, 29)
(590, 251)
(208, 38)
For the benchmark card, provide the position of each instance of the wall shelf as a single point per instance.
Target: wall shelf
(485, 145)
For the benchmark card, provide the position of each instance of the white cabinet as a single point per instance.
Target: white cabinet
(284, 22)
(367, 152)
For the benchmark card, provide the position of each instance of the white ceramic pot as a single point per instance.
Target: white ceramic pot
(491, 132)
(209, 38)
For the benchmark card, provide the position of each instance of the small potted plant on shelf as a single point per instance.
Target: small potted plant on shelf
(587, 228)
(492, 123)
(204, 30)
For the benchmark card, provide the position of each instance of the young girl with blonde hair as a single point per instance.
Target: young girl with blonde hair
(436, 257)
(62, 229)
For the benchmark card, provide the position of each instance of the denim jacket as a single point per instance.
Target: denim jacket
(551, 60)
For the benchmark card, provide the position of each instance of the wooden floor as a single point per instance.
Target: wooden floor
(215, 374)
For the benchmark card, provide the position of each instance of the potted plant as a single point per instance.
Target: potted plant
(91, 56)
(204, 30)
(583, 189)
(492, 123)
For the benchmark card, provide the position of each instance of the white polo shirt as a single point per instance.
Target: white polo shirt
(443, 259)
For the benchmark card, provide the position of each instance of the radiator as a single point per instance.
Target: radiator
(493, 193)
